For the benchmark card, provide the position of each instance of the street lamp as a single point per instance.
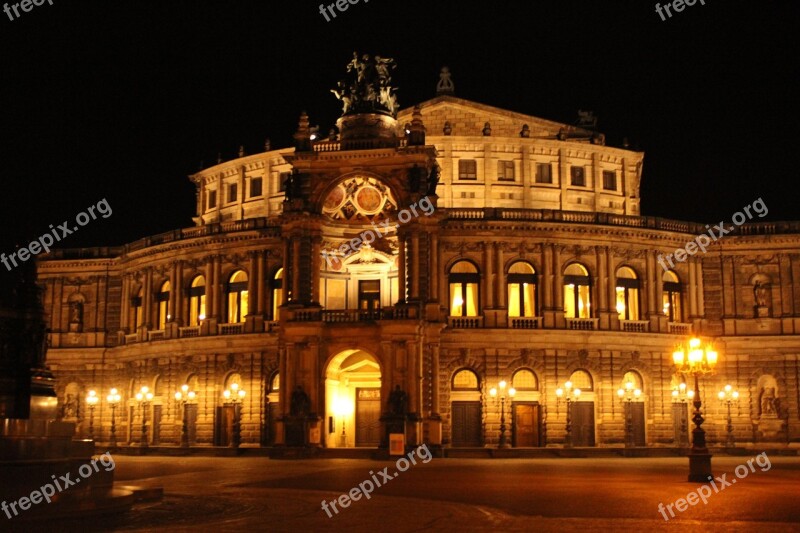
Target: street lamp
(694, 359)
(144, 397)
(493, 393)
(91, 400)
(728, 396)
(570, 395)
(183, 397)
(628, 395)
(680, 397)
(235, 395)
(113, 399)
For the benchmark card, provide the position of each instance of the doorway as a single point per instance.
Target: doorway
(526, 421)
(582, 423)
(353, 400)
(467, 424)
(368, 417)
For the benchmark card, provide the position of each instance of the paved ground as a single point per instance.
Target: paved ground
(260, 494)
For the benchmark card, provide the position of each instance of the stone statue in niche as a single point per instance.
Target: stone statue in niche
(398, 401)
(75, 316)
(760, 293)
(300, 404)
(70, 409)
(768, 403)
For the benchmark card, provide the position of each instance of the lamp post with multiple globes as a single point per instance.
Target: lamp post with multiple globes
(183, 397)
(570, 395)
(91, 400)
(695, 359)
(680, 397)
(144, 397)
(627, 396)
(729, 396)
(493, 392)
(235, 395)
(113, 399)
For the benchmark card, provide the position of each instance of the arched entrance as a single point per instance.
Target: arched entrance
(353, 400)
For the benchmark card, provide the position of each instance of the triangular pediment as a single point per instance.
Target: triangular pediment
(469, 118)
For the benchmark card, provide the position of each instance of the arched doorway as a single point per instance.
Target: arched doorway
(353, 400)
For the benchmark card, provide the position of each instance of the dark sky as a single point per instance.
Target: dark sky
(122, 100)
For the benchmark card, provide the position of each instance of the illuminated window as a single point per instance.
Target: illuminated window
(277, 293)
(581, 379)
(635, 380)
(136, 309)
(464, 284)
(275, 383)
(237, 297)
(465, 380)
(577, 292)
(627, 292)
(233, 190)
(522, 290)
(162, 300)
(672, 303)
(505, 170)
(197, 301)
(212, 199)
(524, 379)
(578, 176)
(467, 169)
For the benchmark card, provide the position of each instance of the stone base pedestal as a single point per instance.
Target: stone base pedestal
(769, 429)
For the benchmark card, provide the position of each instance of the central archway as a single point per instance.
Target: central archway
(353, 400)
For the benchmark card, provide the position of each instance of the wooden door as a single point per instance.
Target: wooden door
(467, 424)
(582, 423)
(637, 423)
(368, 417)
(526, 424)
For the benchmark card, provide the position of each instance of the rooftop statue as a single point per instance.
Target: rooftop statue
(368, 89)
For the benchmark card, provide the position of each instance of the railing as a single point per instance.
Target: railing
(532, 322)
(132, 338)
(156, 335)
(635, 326)
(679, 328)
(231, 329)
(305, 315)
(189, 331)
(465, 322)
(582, 323)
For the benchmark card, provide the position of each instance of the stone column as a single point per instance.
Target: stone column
(262, 272)
(414, 277)
(218, 293)
(433, 285)
(488, 289)
(297, 294)
(692, 288)
(501, 276)
(650, 281)
(209, 289)
(125, 307)
(546, 277)
(316, 268)
(174, 290)
(147, 297)
(401, 268)
(180, 300)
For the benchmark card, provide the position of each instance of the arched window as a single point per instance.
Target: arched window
(464, 285)
(577, 292)
(137, 316)
(162, 302)
(627, 294)
(465, 380)
(522, 290)
(581, 379)
(277, 293)
(275, 382)
(524, 379)
(673, 299)
(632, 380)
(237, 297)
(197, 301)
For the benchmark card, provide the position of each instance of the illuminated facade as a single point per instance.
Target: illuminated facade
(533, 265)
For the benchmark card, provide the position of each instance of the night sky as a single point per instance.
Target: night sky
(122, 100)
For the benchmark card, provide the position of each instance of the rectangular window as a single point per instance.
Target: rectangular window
(255, 187)
(578, 176)
(283, 179)
(505, 170)
(544, 173)
(212, 199)
(609, 180)
(232, 192)
(467, 169)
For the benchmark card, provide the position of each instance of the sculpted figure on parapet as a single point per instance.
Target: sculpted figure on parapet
(369, 89)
